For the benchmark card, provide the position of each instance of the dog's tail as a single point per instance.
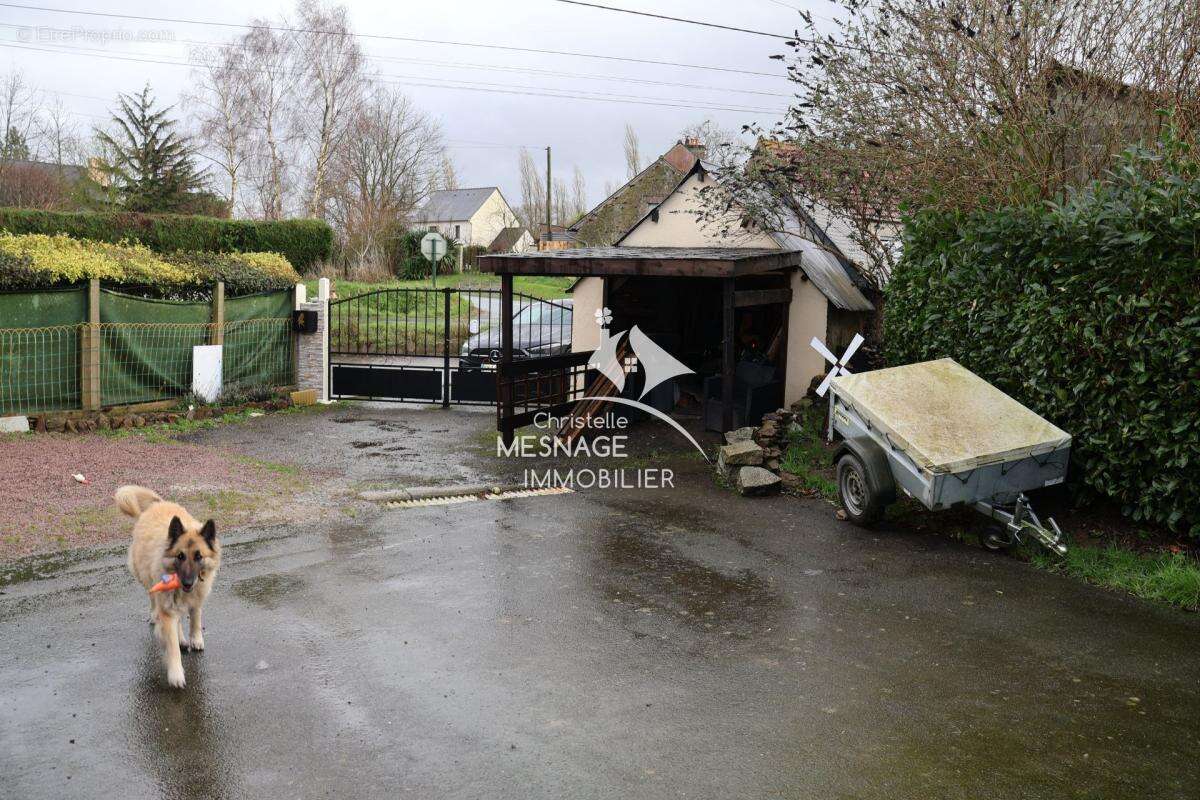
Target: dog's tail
(134, 500)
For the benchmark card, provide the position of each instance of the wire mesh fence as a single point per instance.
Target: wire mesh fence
(52, 369)
(39, 369)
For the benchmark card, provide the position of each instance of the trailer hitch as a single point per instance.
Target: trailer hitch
(1022, 522)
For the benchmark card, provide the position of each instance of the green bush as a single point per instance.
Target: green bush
(303, 242)
(1085, 311)
(403, 253)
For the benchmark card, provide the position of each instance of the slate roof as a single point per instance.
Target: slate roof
(454, 205)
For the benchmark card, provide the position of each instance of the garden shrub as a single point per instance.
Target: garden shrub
(405, 259)
(37, 261)
(303, 242)
(1088, 312)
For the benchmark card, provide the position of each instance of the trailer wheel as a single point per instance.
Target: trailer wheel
(862, 503)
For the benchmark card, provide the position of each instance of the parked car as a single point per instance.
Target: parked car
(542, 328)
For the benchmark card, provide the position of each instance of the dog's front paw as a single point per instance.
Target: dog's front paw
(184, 645)
(175, 677)
(197, 643)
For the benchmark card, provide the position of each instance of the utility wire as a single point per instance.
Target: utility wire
(394, 38)
(792, 39)
(676, 19)
(463, 65)
(474, 86)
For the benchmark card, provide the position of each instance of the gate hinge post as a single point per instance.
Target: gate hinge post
(445, 348)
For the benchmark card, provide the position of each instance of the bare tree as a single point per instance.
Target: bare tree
(533, 193)
(721, 145)
(633, 159)
(560, 210)
(19, 104)
(330, 65)
(270, 86)
(964, 105)
(579, 205)
(385, 167)
(58, 135)
(448, 174)
(224, 114)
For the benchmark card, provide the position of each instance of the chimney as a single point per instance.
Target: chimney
(696, 147)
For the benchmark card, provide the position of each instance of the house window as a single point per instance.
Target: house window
(457, 234)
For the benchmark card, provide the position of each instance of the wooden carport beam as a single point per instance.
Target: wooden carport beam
(728, 353)
(761, 297)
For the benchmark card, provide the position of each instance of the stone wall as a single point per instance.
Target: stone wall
(312, 350)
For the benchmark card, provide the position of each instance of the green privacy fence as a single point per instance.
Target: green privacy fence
(58, 352)
(40, 349)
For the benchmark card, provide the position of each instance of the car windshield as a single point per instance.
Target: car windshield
(543, 314)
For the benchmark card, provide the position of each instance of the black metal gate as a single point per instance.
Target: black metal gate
(434, 345)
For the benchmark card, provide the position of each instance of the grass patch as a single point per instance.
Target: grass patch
(807, 457)
(168, 431)
(541, 286)
(1172, 578)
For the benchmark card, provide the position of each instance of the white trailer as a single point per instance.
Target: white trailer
(943, 435)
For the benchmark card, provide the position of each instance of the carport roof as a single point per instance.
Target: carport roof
(700, 262)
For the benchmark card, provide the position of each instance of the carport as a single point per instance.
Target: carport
(553, 384)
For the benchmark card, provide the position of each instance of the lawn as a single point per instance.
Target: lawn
(413, 322)
(543, 287)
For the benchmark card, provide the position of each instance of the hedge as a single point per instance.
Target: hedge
(303, 242)
(1085, 311)
(37, 261)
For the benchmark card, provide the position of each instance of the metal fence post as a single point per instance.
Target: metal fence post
(89, 363)
(446, 353)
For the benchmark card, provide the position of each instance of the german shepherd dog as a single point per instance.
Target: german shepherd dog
(167, 539)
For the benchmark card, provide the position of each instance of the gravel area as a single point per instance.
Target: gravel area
(42, 507)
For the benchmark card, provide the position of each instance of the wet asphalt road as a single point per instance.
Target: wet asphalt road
(683, 643)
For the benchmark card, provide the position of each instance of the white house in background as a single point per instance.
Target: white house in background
(471, 216)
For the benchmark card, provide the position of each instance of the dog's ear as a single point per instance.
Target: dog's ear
(209, 532)
(174, 531)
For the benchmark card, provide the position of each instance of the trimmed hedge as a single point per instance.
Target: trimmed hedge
(303, 242)
(1085, 311)
(37, 261)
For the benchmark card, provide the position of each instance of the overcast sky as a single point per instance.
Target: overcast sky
(581, 132)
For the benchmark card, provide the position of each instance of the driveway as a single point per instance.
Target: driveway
(625, 643)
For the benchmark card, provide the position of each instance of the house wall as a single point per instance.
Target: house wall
(680, 224)
(486, 223)
(525, 243)
(589, 297)
(807, 317)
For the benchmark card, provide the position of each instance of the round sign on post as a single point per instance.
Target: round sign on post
(433, 247)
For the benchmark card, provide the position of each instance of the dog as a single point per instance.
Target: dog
(167, 539)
